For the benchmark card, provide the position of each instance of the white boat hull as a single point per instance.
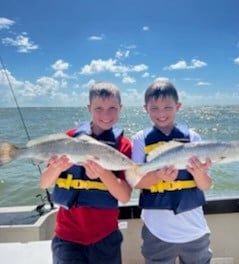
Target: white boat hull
(34, 239)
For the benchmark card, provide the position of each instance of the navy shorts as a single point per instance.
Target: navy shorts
(156, 251)
(106, 251)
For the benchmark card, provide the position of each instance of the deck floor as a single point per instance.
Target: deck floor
(39, 252)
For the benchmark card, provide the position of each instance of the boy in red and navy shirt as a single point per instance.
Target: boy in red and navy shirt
(87, 221)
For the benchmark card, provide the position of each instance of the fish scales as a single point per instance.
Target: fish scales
(78, 149)
(178, 155)
(85, 147)
(218, 152)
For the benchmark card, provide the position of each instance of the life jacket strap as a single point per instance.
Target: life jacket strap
(69, 182)
(149, 148)
(172, 186)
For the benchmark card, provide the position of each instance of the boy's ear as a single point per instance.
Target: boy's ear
(179, 105)
(145, 108)
(88, 107)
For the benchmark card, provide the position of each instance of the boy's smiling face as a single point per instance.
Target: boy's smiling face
(104, 112)
(162, 111)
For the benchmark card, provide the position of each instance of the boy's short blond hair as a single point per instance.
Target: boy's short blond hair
(104, 90)
(160, 88)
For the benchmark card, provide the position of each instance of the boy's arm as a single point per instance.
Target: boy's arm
(56, 165)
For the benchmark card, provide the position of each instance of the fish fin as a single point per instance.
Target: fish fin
(163, 148)
(132, 176)
(7, 152)
(87, 138)
(47, 138)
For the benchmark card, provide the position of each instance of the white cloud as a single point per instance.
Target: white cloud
(139, 68)
(22, 42)
(47, 91)
(131, 47)
(145, 28)
(145, 75)
(60, 74)
(6, 77)
(133, 97)
(191, 79)
(182, 65)
(99, 65)
(6, 23)
(110, 65)
(60, 66)
(161, 79)
(128, 79)
(122, 54)
(46, 86)
(203, 83)
(217, 98)
(89, 84)
(236, 61)
(96, 38)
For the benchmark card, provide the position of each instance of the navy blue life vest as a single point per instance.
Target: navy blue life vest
(87, 197)
(177, 200)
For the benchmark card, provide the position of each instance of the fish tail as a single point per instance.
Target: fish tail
(132, 176)
(7, 153)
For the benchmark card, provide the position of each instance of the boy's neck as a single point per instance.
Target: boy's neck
(96, 130)
(165, 130)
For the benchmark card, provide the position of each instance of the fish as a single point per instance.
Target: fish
(178, 154)
(79, 149)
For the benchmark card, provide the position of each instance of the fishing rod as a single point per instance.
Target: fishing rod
(48, 196)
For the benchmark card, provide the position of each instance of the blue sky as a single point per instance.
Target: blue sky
(53, 51)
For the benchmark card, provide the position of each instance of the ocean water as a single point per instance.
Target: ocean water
(19, 180)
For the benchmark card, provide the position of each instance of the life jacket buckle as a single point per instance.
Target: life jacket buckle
(80, 184)
(174, 185)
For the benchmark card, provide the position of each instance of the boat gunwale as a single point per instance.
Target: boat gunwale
(212, 206)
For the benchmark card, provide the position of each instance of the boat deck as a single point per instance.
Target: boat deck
(31, 243)
(39, 252)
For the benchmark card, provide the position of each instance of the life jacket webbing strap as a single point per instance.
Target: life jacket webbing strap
(172, 186)
(69, 182)
(149, 148)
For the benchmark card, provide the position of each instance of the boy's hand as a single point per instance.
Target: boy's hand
(196, 167)
(60, 163)
(167, 173)
(56, 165)
(200, 172)
(93, 169)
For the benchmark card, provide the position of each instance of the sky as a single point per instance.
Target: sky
(53, 51)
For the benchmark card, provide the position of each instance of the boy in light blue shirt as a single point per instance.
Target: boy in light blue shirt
(174, 223)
